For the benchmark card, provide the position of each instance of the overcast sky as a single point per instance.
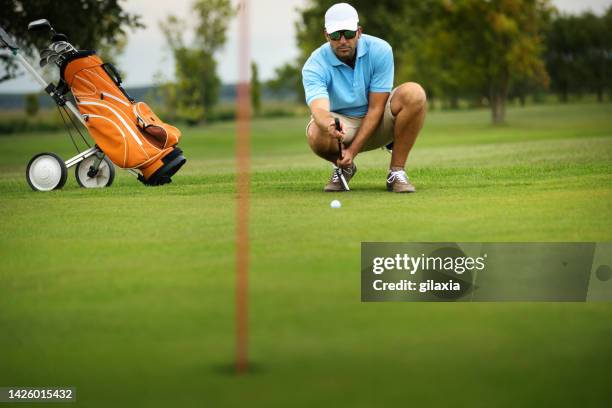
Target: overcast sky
(272, 39)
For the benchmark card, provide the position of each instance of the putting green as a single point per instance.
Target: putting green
(127, 293)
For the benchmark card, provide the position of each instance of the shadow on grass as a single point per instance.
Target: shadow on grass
(229, 369)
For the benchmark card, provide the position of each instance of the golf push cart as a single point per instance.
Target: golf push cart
(125, 132)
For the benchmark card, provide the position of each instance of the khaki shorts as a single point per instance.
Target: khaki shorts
(382, 136)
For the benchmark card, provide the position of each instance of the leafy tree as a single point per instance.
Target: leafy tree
(607, 22)
(567, 43)
(197, 83)
(597, 52)
(562, 48)
(579, 54)
(492, 44)
(435, 60)
(287, 80)
(452, 47)
(255, 89)
(101, 24)
(213, 17)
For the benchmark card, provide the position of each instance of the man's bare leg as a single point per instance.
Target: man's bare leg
(327, 148)
(321, 144)
(409, 106)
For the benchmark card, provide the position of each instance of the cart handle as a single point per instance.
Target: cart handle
(7, 41)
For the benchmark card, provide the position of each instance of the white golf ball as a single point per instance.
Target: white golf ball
(335, 204)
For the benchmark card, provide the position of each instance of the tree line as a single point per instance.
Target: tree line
(484, 51)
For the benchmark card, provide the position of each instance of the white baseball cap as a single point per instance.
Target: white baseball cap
(341, 16)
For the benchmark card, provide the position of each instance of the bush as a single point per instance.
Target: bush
(31, 104)
(19, 122)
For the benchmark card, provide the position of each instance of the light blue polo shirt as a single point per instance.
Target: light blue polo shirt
(325, 76)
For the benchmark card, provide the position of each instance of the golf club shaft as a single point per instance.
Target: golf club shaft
(44, 84)
(340, 174)
(339, 128)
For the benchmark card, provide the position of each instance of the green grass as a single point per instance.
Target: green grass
(127, 293)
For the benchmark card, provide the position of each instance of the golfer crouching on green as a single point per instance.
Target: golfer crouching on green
(351, 78)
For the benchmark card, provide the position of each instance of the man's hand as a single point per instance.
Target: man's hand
(335, 133)
(347, 158)
(324, 120)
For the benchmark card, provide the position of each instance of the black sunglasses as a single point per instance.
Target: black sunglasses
(348, 34)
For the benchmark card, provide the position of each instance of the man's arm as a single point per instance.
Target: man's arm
(324, 119)
(376, 109)
(317, 98)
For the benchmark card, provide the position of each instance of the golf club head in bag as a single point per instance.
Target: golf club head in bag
(53, 58)
(45, 53)
(45, 25)
(62, 47)
(56, 53)
(40, 25)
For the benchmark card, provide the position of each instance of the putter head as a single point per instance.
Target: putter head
(342, 179)
(338, 169)
(40, 25)
(44, 25)
(344, 183)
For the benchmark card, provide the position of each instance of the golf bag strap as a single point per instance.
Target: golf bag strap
(114, 75)
(62, 87)
(112, 72)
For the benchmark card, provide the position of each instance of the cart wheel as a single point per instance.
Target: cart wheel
(46, 172)
(103, 178)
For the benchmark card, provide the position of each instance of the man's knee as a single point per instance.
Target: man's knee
(412, 95)
(313, 134)
(317, 141)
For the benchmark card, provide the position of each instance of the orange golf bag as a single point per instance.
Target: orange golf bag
(128, 132)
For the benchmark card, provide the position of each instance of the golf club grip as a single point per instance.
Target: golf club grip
(338, 125)
(339, 128)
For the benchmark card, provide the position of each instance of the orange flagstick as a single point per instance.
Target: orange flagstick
(242, 186)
